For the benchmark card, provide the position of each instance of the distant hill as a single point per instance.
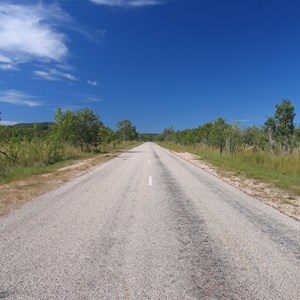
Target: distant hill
(148, 137)
(43, 126)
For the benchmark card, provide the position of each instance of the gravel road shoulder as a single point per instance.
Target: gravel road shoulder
(286, 202)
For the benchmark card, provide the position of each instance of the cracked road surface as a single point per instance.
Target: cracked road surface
(148, 225)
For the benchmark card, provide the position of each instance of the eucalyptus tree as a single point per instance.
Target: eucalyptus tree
(284, 119)
(126, 131)
(80, 128)
(219, 133)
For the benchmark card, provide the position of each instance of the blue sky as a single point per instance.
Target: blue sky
(158, 63)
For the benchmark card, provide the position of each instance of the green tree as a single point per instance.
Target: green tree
(88, 124)
(253, 138)
(106, 135)
(169, 134)
(80, 128)
(234, 137)
(270, 130)
(126, 131)
(296, 139)
(219, 134)
(1, 139)
(284, 118)
(204, 133)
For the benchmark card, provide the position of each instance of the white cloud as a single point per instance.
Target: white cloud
(65, 67)
(127, 3)
(18, 98)
(4, 59)
(6, 63)
(7, 67)
(86, 98)
(45, 75)
(8, 123)
(54, 75)
(69, 76)
(29, 32)
(93, 83)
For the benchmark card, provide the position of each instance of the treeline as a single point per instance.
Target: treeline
(71, 133)
(278, 135)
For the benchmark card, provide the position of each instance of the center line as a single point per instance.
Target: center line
(150, 180)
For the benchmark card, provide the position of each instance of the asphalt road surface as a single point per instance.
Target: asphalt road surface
(148, 225)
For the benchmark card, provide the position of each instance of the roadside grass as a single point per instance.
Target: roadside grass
(21, 184)
(71, 155)
(282, 171)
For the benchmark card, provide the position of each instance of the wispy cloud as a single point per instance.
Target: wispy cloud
(54, 75)
(127, 3)
(93, 83)
(8, 123)
(85, 98)
(6, 63)
(30, 32)
(18, 98)
(7, 67)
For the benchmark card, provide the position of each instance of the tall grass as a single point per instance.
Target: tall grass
(37, 157)
(29, 158)
(281, 170)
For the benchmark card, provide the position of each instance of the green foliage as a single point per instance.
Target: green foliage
(70, 135)
(278, 135)
(284, 118)
(281, 170)
(169, 134)
(80, 128)
(126, 131)
(148, 137)
(218, 134)
(269, 153)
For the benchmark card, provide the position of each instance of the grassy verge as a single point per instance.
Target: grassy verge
(20, 185)
(20, 172)
(281, 171)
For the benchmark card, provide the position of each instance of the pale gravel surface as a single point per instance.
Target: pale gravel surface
(109, 235)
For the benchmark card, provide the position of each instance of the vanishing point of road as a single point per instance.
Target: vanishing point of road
(148, 225)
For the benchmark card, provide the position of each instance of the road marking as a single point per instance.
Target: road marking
(149, 161)
(150, 180)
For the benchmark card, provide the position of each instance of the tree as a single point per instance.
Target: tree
(88, 124)
(126, 131)
(106, 135)
(284, 118)
(296, 139)
(80, 128)
(169, 134)
(2, 152)
(218, 134)
(234, 137)
(270, 130)
(204, 132)
(253, 138)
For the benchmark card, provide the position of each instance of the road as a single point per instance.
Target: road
(148, 225)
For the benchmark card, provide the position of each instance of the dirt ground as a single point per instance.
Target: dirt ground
(286, 202)
(16, 193)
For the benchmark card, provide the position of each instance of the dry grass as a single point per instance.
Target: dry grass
(21, 190)
(18, 192)
(282, 171)
(285, 201)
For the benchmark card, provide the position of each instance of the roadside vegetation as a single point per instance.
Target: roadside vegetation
(31, 149)
(270, 153)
